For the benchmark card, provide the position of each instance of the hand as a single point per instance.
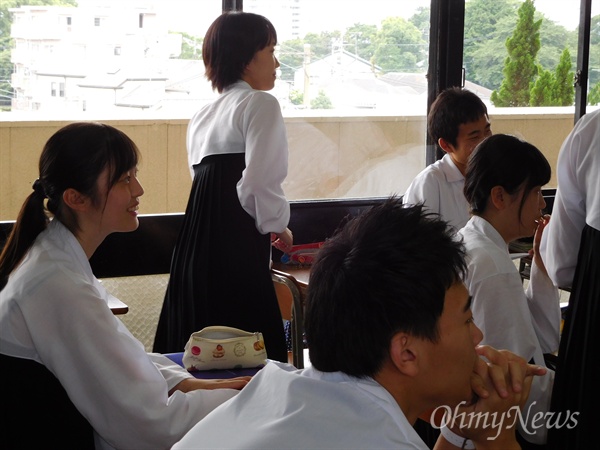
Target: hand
(192, 384)
(502, 386)
(282, 241)
(537, 239)
(500, 363)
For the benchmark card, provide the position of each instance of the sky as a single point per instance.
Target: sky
(196, 15)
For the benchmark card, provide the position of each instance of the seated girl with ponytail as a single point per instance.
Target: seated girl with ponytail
(72, 371)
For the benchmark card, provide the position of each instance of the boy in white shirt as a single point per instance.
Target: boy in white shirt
(457, 122)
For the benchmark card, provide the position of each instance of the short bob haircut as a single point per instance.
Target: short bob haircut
(452, 108)
(507, 161)
(386, 271)
(231, 42)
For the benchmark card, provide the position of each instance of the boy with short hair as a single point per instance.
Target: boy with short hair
(457, 121)
(391, 338)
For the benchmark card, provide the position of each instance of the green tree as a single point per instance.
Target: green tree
(296, 97)
(359, 40)
(321, 44)
(554, 38)
(291, 57)
(594, 76)
(519, 66)
(399, 46)
(191, 46)
(543, 88)
(321, 101)
(563, 92)
(421, 20)
(594, 95)
(488, 24)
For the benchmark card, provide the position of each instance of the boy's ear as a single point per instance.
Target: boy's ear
(75, 199)
(445, 145)
(404, 353)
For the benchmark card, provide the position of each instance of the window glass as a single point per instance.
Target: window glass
(531, 98)
(353, 89)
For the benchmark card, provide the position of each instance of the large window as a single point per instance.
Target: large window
(355, 81)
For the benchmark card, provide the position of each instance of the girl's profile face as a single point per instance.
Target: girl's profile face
(531, 211)
(120, 211)
(261, 72)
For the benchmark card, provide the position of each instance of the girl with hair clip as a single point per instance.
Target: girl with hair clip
(238, 156)
(503, 185)
(61, 347)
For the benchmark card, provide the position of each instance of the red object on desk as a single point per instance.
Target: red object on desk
(206, 374)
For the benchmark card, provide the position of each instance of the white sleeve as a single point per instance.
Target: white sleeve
(544, 304)
(172, 372)
(260, 188)
(106, 371)
(500, 311)
(577, 199)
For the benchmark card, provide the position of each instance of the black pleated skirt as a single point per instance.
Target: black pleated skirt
(220, 268)
(576, 387)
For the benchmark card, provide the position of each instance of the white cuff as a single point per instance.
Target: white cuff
(456, 440)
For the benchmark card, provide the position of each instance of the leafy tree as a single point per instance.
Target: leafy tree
(291, 57)
(321, 101)
(594, 95)
(542, 90)
(321, 44)
(554, 38)
(563, 92)
(191, 46)
(487, 26)
(359, 39)
(399, 46)
(594, 76)
(519, 66)
(421, 20)
(296, 97)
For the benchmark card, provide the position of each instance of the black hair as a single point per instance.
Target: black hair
(231, 42)
(451, 108)
(507, 161)
(74, 157)
(384, 272)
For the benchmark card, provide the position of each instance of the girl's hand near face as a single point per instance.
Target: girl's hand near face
(537, 239)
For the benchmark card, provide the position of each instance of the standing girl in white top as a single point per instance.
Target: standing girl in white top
(73, 375)
(238, 156)
(503, 185)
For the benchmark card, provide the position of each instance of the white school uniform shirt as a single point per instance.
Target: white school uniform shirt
(244, 120)
(577, 199)
(285, 408)
(440, 187)
(525, 322)
(54, 311)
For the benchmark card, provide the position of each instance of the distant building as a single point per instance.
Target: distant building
(62, 52)
(286, 16)
(351, 82)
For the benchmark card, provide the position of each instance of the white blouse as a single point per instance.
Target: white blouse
(244, 120)
(440, 187)
(54, 311)
(577, 199)
(525, 322)
(285, 408)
